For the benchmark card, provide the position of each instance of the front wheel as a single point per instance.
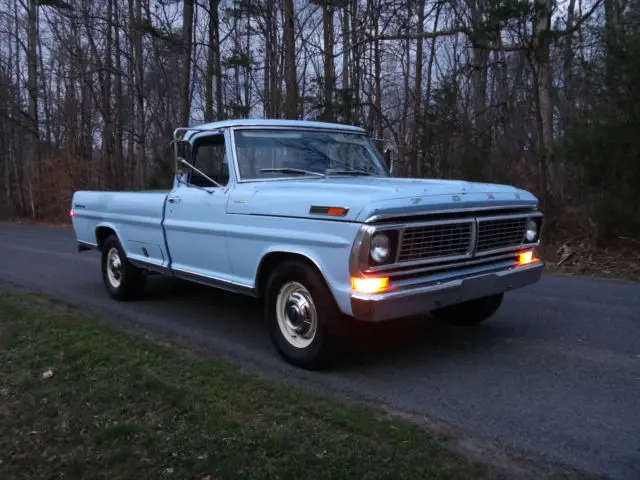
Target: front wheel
(122, 280)
(471, 312)
(301, 315)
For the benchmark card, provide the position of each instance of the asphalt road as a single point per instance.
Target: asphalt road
(556, 372)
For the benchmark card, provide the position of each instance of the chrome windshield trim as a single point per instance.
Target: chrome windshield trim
(262, 126)
(311, 128)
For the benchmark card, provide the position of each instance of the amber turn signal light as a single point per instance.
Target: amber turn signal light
(333, 211)
(369, 284)
(338, 211)
(525, 258)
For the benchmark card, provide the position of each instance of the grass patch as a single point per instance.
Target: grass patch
(118, 406)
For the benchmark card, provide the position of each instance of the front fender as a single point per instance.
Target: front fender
(332, 268)
(327, 245)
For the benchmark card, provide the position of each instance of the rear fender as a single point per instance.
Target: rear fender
(102, 232)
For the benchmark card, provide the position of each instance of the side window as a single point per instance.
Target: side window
(210, 156)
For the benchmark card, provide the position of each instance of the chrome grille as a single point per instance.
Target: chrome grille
(434, 241)
(501, 233)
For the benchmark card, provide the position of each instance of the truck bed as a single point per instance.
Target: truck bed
(136, 216)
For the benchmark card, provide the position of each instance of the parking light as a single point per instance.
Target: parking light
(525, 258)
(369, 284)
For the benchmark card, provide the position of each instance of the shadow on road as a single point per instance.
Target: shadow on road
(407, 341)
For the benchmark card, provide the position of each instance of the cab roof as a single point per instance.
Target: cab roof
(263, 122)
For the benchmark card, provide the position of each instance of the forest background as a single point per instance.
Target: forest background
(542, 94)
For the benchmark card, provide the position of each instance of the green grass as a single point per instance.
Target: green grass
(119, 406)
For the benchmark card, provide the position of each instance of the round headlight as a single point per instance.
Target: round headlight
(532, 231)
(380, 247)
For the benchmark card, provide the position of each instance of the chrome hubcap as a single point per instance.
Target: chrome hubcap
(297, 315)
(114, 267)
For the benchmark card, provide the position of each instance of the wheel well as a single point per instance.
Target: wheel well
(271, 260)
(102, 233)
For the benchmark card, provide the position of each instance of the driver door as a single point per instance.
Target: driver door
(196, 214)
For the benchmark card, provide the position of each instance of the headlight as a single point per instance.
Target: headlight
(532, 231)
(380, 247)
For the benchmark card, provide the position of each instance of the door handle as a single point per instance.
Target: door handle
(174, 199)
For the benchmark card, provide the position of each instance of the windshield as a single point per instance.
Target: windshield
(276, 153)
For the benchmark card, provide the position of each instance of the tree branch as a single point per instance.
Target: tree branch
(578, 23)
(416, 36)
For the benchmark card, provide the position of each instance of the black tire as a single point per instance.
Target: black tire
(318, 351)
(471, 312)
(132, 280)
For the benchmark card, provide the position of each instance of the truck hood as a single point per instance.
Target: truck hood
(368, 196)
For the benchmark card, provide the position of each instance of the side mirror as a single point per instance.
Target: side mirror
(384, 149)
(387, 158)
(182, 149)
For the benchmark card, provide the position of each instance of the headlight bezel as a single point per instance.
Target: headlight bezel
(361, 260)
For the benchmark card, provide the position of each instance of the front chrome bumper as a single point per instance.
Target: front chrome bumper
(404, 302)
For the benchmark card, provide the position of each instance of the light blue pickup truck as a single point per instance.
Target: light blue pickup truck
(307, 216)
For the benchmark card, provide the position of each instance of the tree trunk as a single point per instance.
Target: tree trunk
(377, 73)
(416, 158)
(32, 89)
(540, 62)
(117, 163)
(610, 42)
(187, 38)
(108, 140)
(210, 72)
(290, 77)
(346, 94)
(139, 93)
(217, 60)
(266, 102)
(479, 64)
(329, 80)
(356, 67)
(214, 69)
(426, 131)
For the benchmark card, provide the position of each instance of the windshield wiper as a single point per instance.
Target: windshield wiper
(355, 172)
(292, 170)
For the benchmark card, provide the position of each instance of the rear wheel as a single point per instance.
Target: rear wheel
(122, 280)
(301, 315)
(471, 312)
